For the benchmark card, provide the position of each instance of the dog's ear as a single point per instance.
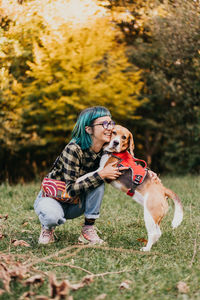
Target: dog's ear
(131, 144)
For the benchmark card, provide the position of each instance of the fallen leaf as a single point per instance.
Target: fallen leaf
(58, 289)
(25, 224)
(11, 269)
(124, 285)
(2, 292)
(101, 297)
(5, 277)
(27, 295)
(5, 217)
(18, 271)
(2, 236)
(20, 243)
(42, 298)
(36, 279)
(87, 279)
(77, 286)
(6, 258)
(142, 240)
(182, 287)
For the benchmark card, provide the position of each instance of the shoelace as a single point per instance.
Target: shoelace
(47, 233)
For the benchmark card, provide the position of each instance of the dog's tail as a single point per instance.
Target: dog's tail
(178, 214)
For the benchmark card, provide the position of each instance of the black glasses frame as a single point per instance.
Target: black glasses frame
(105, 124)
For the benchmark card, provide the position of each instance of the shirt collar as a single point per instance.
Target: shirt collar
(93, 154)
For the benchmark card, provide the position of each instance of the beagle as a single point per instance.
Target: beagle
(147, 191)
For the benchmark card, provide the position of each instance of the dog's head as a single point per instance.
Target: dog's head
(121, 140)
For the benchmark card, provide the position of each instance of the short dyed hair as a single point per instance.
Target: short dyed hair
(86, 118)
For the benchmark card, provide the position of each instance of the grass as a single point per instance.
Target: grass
(150, 276)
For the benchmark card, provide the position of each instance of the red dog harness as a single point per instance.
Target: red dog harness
(139, 172)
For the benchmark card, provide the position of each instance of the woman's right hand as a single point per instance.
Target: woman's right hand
(111, 171)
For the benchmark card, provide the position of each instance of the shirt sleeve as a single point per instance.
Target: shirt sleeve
(71, 159)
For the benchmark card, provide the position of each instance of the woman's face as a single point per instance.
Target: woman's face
(102, 130)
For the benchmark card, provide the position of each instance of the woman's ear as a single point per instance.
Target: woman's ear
(131, 144)
(88, 129)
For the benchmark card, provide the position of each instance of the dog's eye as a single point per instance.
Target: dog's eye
(123, 137)
(114, 132)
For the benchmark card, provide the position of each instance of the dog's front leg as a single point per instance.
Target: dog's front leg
(101, 166)
(87, 175)
(137, 197)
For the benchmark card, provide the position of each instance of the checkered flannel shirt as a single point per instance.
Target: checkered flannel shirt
(74, 163)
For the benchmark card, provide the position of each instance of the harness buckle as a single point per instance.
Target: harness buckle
(137, 179)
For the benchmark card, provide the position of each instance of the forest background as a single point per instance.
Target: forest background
(140, 59)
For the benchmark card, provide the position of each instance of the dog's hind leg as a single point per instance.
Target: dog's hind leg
(153, 229)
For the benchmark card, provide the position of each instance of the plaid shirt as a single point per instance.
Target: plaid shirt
(74, 163)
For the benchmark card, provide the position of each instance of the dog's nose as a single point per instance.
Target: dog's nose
(115, 143)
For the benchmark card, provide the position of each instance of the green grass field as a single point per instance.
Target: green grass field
(153, 275)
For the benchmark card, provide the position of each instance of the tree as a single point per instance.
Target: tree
(58, 70)
(163, 40)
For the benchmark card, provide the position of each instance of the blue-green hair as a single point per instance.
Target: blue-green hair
(86, 118)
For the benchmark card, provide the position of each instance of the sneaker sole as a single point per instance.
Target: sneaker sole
(83, 241)
(42, 243)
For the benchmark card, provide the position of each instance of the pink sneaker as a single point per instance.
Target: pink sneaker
(46, 236)
(89, 236)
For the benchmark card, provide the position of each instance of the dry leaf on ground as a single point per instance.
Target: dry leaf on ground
(2, 235)
(2, 292)
(101, 297)
(20, 243)
(5, 277)
(142, 240)
(182, 287)
(25, 224)
(58, 289)
(125, 285)
(10, 269)
(36, 279)
(41, 297)
(17, 271)
(27, 295)
(25, 230)
(5, 217)
(87, 279)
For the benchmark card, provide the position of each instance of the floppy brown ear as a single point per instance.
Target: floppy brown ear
(131, 144)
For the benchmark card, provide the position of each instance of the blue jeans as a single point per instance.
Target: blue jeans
(52, 213)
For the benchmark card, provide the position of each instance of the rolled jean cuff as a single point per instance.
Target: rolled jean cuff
(92, 216)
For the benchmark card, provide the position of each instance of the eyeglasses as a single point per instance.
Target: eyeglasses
(106, 124)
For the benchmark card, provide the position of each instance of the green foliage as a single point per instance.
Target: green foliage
(70, 72)
(50, 71)
(51, 68)
(166, 46)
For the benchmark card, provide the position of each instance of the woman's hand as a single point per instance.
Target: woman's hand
(111, 171)
(154, 176)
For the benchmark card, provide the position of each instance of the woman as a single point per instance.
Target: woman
(81, 156)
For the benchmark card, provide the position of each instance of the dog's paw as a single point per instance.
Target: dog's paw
(145, 249)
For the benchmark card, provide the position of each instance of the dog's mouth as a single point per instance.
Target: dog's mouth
(113, 146)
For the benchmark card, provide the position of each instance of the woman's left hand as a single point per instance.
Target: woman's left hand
(154, 176)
